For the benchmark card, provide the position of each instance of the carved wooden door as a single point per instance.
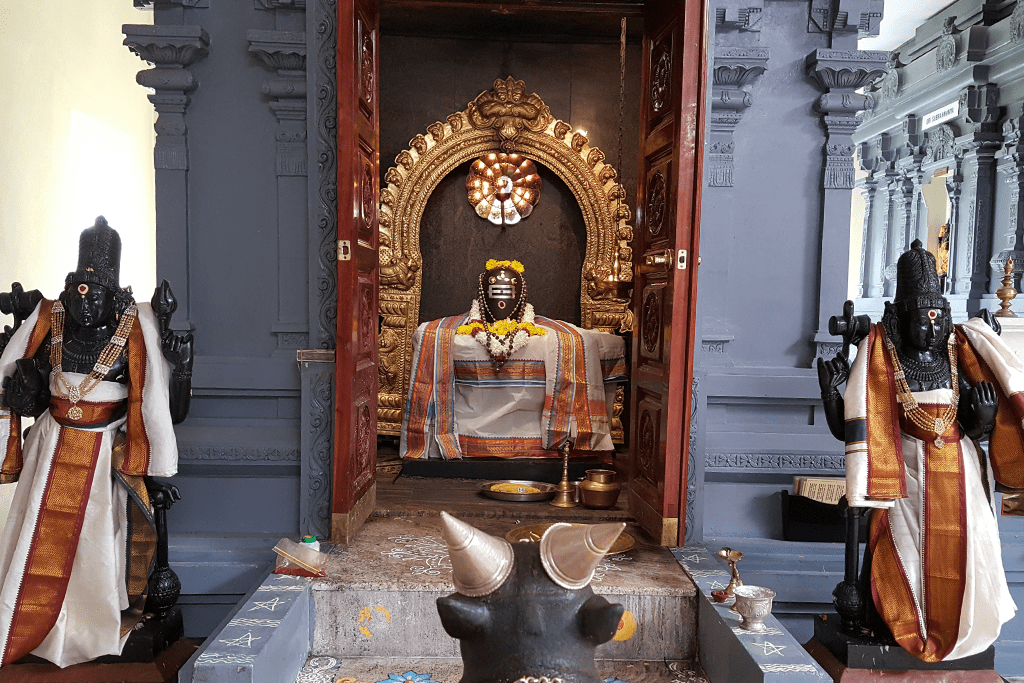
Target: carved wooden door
(355, 425)
(665, 280)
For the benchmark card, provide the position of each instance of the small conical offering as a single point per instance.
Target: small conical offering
(570, 553)
(480, 562)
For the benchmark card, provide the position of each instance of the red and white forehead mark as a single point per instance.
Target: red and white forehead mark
(932, 314)
(83, 289)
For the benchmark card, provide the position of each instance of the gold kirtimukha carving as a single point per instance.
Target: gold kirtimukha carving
(505, 119)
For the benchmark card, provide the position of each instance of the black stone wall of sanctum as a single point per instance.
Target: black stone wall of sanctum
(422, 80)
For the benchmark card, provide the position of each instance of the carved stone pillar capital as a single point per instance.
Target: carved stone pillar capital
(170, 49)
(284, 54)
(845, 20)
(735, 69)
(167, 46)
(279, 4)
(738, 15)
(839, 73)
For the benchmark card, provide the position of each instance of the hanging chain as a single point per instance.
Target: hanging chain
(622, 98)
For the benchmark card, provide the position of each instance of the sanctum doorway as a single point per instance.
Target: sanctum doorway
(439, 55)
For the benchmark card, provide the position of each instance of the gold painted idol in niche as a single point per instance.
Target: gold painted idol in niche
(500, 381)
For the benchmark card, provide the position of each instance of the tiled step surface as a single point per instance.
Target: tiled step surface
(447, 670)
(379, 597)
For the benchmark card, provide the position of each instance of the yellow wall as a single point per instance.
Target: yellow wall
(76, 141)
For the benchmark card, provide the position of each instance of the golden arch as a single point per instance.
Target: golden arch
(508, 119)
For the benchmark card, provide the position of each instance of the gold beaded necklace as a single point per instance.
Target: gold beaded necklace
(111, 352)
(917, 415)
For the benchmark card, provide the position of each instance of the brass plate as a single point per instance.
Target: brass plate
(540, 490)
(533, 532)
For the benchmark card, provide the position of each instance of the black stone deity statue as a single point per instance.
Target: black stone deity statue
(105, 378)
(525, 611)
(920, 396)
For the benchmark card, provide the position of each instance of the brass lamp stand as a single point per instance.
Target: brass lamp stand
(565, 494)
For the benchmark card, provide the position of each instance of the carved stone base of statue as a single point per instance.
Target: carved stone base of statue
(851, 659)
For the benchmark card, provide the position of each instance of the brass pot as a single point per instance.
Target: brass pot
(599, 489)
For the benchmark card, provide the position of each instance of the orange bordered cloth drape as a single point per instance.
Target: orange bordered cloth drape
(936, 574)
(73, 536)
(554, 388)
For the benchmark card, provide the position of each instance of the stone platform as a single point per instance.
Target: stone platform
(438, 670)
(379, 596)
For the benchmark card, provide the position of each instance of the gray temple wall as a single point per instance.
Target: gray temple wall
(791, 100)
(245, 227)
(245, 163)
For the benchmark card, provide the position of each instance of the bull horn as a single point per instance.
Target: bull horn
(480, 562)
(571, 552)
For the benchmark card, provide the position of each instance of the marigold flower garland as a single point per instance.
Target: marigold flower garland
(503, 337)
(514, 265)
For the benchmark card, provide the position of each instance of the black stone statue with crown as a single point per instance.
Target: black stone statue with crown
(69, 356)
(914, 363)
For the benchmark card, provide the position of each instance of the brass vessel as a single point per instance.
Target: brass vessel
(599, 489)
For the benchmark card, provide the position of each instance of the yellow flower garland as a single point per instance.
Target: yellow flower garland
(501, 328)
(514, 265)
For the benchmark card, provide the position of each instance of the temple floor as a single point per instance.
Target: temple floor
(376, 617)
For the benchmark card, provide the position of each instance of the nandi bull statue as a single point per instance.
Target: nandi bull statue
(526, 612)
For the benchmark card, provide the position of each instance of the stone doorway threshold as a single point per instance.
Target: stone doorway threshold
(403, 491)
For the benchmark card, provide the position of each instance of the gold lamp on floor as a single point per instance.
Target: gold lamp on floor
(565, 494)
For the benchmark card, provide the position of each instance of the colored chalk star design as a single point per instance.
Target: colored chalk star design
(408, 677)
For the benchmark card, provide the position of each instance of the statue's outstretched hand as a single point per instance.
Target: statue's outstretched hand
(832, 373)
(25, 391)
(162, 495)
(985, 402)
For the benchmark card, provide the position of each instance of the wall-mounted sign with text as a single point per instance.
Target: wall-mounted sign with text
(950, 111)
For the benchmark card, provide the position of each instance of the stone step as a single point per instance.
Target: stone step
(448, 670)
(380, 592)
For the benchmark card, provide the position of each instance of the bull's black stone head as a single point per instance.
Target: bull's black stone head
(529, 625)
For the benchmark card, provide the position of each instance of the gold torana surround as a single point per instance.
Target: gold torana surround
(508, 120)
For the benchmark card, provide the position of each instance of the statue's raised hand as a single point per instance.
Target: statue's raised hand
(177, 348)
(832, 373)
(985, 402)
(19, 303)
(25, 391)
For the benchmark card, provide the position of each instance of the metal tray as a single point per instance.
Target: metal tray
(533, 532)
(544, 491)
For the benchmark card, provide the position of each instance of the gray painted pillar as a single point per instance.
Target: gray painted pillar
(284, 54)
(170, 49)
(734, 71)
(895, 233)
(838, 73)
(322, 150)
(919, 210)
(974, 240)
(316, 368)
(875, 240)
(868, 187)
(1011, 170)
(1007, 237)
